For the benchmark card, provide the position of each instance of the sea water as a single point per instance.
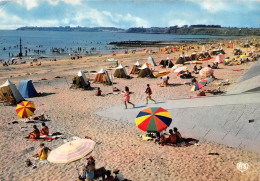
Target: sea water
(92, 42)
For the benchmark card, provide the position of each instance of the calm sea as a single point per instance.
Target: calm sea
(94, 42)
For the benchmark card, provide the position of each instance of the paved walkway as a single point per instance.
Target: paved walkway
(221, 119)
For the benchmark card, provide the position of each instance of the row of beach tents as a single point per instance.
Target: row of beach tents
(25, 90)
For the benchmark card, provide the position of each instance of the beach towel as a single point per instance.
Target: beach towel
(146, 138)
(42, 138)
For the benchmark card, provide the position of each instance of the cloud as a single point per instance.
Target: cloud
(214, 6)
(73, 2)
(30, 4)
(107, 19)
(9, 21)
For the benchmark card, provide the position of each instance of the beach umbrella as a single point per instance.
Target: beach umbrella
(197, 86)
(206, 72)
(71, 151)
(181, 72)
(162, 73)
(184, 68)
(210, 80)
(153, 119)
(204, 82)
(25, 109)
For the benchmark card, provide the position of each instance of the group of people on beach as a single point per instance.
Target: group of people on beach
(148, 93)
(36, 133)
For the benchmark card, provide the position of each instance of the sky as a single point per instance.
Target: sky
(129, 13)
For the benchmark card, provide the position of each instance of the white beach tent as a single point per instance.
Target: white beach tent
(9, 88)
(150, 60)
(82, 74)
(120, 72)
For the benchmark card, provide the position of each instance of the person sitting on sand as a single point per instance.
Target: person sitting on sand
(35, 134)
(200, 67)
(43, 153)
(165, 80)
(201, 93)
(178, 135)
(98, 92)
(194, 81)
(109, 176)
(195, 69)
(172, 138)
(44, 130)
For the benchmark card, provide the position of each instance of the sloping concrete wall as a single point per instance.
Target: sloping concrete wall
(249, 82)
(221, 119)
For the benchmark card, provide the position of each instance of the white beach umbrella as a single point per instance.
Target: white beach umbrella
(71, 151)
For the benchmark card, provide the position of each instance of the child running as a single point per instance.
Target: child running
(127, 97)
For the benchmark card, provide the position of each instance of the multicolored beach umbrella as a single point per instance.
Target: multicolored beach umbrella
(197, 86)
(71, 151)
(181, 72)
(153, 119)
(204, 82)
(25, 109)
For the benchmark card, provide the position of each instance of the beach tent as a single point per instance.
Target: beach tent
(27, 89)
(220, 58)
(102, 77)
(120, 72)
(206, 54)
(82, 74)
(8, 90)
(187, 58)
(150, 60)
(193, 56)
(135, 69)
(217, 51)
(203, 49)
(145, 72)
(166, 63)
(201, 55)
(80, 81)
(180, 60)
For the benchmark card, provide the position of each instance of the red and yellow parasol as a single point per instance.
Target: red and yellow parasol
(25, 109)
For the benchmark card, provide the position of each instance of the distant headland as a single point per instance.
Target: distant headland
(215, 30)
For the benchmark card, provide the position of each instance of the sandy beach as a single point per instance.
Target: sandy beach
(72, 112)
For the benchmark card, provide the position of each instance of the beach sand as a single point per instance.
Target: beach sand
(72, 112)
